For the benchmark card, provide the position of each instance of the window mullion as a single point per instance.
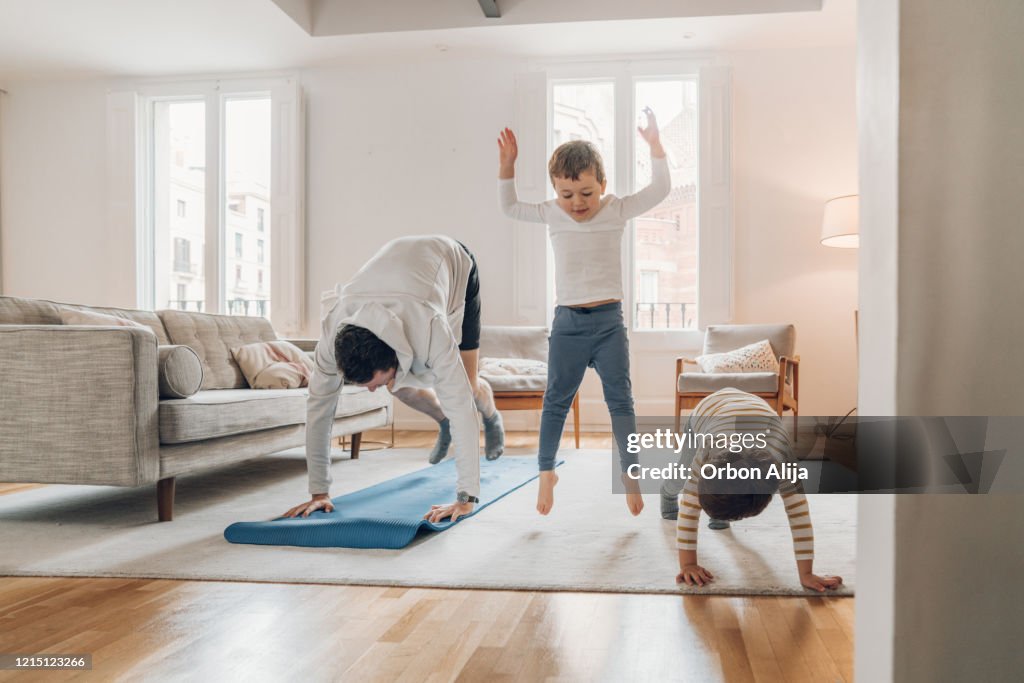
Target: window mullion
(214, 210)
(625, 156)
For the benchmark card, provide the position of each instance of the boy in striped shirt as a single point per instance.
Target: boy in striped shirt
(731, 411)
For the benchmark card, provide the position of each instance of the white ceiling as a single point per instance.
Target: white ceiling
(79, 38)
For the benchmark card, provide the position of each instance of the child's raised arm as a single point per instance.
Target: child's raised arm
(508, 151)
(661, 182)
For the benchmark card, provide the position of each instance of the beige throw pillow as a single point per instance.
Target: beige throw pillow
(71, 316)
(756, 357)
(273, 365)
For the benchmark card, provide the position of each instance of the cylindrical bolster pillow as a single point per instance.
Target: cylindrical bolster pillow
(181, 373)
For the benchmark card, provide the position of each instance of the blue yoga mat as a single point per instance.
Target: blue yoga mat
(389, 514)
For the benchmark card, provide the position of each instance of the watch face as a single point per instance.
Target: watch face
(463, 497)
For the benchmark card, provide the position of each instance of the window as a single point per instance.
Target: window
(259, 279)
(662, 252)
(259, 251)
(182, 259)
(238, 276)
(214, 157)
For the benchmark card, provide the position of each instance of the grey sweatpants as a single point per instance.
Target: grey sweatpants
(581, 338)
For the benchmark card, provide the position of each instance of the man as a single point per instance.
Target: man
(410, 321)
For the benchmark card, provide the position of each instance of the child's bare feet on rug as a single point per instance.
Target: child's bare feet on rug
(546, 491)
(634, 501)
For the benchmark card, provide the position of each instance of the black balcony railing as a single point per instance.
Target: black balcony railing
(662, 315)
(256, 307)
(186, 304)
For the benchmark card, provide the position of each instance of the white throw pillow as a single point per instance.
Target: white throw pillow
(499, 367)
(273, 365)
(756, 357)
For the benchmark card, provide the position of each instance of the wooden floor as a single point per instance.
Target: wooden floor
(142, 629)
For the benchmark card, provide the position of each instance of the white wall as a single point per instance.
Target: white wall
(939, 596)
(403, 148)
(56, 244)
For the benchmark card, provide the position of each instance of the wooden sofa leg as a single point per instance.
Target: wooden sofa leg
(356, 440)
(165, 499)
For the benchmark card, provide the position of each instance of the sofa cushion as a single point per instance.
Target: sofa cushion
(212, 337)
(180, 374)
(514, 374)
(226, 412)
(710, 382)
(73, 316)
(20, 311)
(274, 365)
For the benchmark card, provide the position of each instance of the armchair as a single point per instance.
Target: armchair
(519, 391)
(781, 391)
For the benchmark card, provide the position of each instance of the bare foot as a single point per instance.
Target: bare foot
(634, 501)
(546, 491)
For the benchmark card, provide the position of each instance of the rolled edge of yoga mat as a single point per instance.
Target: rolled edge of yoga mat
(388, 515)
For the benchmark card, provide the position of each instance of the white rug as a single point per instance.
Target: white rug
(590, 542)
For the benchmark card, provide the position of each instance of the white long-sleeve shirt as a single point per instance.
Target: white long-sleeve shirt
(411, 294)
(588, 254)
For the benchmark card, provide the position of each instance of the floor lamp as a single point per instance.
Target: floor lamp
(840, 228)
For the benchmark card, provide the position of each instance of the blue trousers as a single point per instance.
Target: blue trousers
(581, 338)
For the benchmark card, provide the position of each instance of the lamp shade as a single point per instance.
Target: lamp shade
(840, 226)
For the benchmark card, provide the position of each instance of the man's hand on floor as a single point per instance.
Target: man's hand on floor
(438, 513)
(320, 501)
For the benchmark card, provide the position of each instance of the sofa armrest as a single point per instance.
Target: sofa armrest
(79, 405)
(307, 345)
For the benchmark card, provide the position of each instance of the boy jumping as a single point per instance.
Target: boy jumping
(588, 329)
(731, 411)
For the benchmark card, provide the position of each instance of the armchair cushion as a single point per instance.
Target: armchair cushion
(500, 341)
(722, 338)
(710, 382)
(756, 357)
(514, 374)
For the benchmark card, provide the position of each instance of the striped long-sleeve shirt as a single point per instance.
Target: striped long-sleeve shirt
(728, 411)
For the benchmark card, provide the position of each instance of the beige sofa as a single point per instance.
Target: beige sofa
(87, 404)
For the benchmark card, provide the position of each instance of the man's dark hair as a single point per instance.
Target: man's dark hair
(360, 353)
(573, 158)
(732, 499)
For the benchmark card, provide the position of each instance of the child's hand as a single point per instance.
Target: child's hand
(820, 583)
(650, 134)
(508, 150)
(694, 575)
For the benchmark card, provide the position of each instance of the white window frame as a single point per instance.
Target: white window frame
(714, 204)
(130, 145)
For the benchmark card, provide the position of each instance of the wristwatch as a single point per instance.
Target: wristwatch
(464, 498)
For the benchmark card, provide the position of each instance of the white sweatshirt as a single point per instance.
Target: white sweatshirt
(411, 294)
(588, 255)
